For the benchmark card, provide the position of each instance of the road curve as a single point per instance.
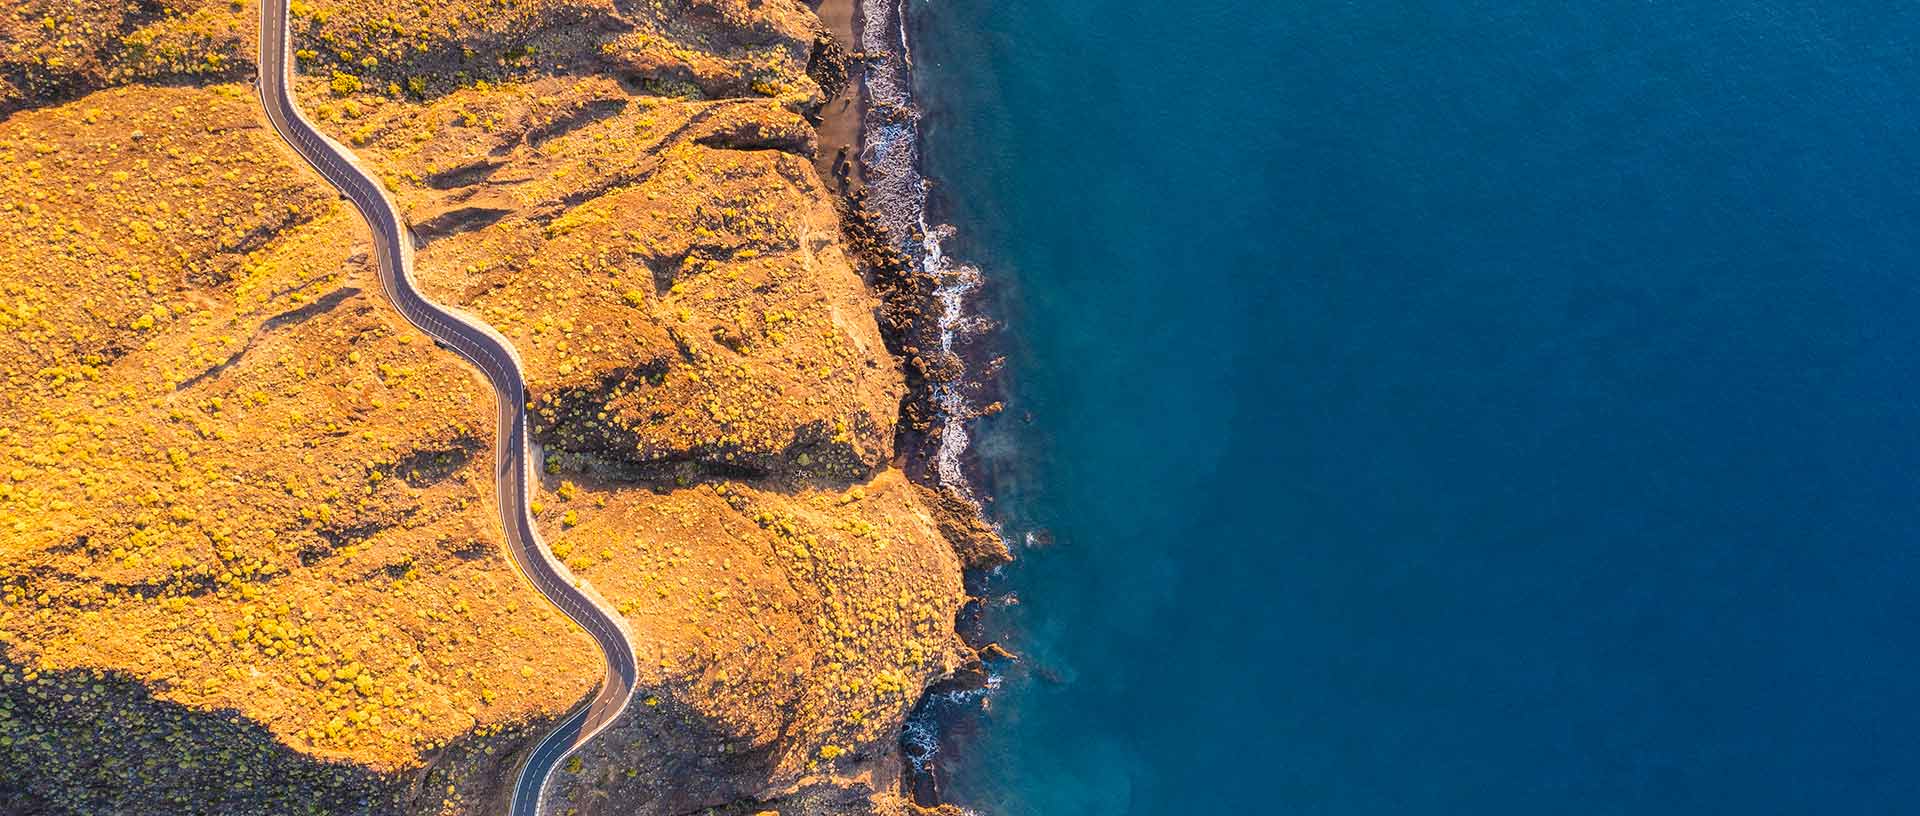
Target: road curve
(487, 350)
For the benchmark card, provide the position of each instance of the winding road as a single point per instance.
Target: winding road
(487, 350)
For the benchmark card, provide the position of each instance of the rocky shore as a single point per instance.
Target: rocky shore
(871, 152)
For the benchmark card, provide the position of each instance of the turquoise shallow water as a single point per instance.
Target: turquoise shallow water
(1464, 407)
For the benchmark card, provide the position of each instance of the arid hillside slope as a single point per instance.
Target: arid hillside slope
(248, 562)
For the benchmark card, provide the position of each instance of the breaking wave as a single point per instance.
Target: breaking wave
(897, 195)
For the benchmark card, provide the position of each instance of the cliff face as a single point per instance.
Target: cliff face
(247, 549)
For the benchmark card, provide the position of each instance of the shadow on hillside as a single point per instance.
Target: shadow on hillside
(99, 743)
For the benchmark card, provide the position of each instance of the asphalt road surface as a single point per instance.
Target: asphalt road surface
(485, 349)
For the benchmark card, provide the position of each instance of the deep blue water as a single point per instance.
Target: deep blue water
(1447, 407)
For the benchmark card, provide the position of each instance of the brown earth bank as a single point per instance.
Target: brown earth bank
(248, 556)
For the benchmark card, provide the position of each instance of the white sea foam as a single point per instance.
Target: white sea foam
(955, 283)
(897, 198)
(922, 740)
(890, 154)
(921, 734)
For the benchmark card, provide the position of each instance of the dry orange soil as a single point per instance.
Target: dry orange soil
(248, 557)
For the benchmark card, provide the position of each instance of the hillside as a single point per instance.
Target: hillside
(246, 524)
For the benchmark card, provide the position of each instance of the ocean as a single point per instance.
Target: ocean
(1421, 407)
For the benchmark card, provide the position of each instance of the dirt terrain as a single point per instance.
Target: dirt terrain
(248, 562)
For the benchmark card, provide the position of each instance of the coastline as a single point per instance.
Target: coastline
(870, 153)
